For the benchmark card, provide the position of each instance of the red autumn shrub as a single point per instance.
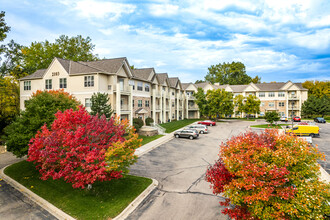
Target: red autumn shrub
(79, 148)
(269, 176)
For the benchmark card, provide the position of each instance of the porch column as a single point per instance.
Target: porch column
(118, 96)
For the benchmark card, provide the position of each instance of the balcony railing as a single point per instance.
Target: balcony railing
(124, 108)
(125, 89)
(293, 97)
(192, 107)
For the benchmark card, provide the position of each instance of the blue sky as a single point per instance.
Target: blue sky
(279, 40)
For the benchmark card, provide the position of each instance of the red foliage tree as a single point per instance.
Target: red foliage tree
(269, 176)
(75, 148)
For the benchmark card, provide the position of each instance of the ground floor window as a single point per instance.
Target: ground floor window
(88, 102)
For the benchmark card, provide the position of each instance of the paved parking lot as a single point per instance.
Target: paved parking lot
(323, 143)
(179, 166)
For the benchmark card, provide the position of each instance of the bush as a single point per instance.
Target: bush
(269, 176)
(272, 117)
(82, 148)
(39, 110)
(137, 123)
(149, 121)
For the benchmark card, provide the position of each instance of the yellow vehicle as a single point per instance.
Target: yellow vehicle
(303, 130)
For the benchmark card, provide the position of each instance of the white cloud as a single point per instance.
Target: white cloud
(320, 40)
(163, 9)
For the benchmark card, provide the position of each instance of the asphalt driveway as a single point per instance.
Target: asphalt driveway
(179, 166)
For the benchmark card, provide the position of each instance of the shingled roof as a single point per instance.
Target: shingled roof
(173, 81)
(270, 86)
(202, 85)
(162, 77)
(36, 75)
(143, 74)
(106, 65)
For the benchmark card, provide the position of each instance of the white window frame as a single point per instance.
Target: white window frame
(63, 83)
(88, 102)
(262, 94)
(281, 94)
(271, 94)
(48, 84)
(139, 86)
(146, 87)
(140, 103)
(89, 81)
(132, 83)
(271, 104)
(147, 103)
(27, 85)
(281, 104)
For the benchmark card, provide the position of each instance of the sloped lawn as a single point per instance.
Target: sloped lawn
(104, 201)
(175, 125)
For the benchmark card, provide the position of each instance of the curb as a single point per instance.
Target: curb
(137, 201)
(35, 198)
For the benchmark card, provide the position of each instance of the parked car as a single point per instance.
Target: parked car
(187, 133)
(319, 120)
(207, 122)
(284, 118)
(200, 128)
(296, 119)
(304, 130)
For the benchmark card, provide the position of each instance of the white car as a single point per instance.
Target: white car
(284, 118)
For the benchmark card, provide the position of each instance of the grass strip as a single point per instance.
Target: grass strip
(175, 125)
(105, 200)
(147, 139)
(278, 126)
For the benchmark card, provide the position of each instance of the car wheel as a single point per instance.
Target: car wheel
(202, 132)
(177, 136)
(312, 135)
(191, 137)
(211, 125)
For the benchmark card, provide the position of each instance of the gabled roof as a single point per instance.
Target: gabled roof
(162, 77)
(106, 65)
(220, 86)
(238, 88)
(36, 75)
(173, 82)
(203, 84)
(299, 85)
(265, 87)
(143, 74)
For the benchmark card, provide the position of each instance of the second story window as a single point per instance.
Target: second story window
(48, 84)
(139, 86)
(139, 103)
(147, 103)
(88, 102)
(132, 83)
(146, 87)
(62, 83)
(27, 85)
(89, 81)
(281, 94)
(261, 94)
(271, 94)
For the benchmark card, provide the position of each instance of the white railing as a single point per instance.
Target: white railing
(160, 129)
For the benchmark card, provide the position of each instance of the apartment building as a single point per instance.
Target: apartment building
(284, 98)
(132, 92)
(191, 108)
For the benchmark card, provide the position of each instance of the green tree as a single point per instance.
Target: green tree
(100, 105)
(228, 73)
(40, 110)
(252, 105)
(12, 65)
(256, 79)
(271, 117)
(199, 81)
(201, 102)
(316, 106)
(4, 29)
(40, 54)
(220, 103)
(239, 104)
(317, 88)
(9, 100)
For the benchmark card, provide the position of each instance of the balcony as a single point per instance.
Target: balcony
(294, 108)
(293, 97)
(191, 97)
(157, 107)
(192, 107)
(125, 108)
(125, 90)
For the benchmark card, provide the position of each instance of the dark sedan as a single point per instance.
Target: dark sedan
(187, 133)
(319, 120)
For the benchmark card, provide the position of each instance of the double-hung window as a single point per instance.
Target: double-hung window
(48, 84)
(89, 81)
(139, 86)
(147, 103)
(271, 104)
(271, 94)
(146, 87)
(88, 102)
(139, 103)
(63, 83)
(281, 94)
(261, 94)
(281, 104)
(27, 85)
(132, 83)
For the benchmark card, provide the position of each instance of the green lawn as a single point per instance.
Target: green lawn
(278, 126)
(104, 201)
(147, 139)
(175, 125)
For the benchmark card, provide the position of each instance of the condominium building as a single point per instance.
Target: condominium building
(143, 93)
